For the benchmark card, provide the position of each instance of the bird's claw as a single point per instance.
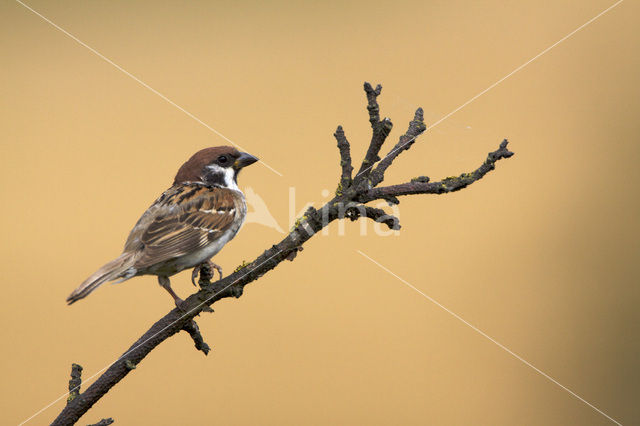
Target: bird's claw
(194, 275)
(205, 271)
(217, 268)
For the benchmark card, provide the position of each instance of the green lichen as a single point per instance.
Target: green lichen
(241, 266)
(421, 179)
(463, 179)
(339, 190)
(299, 222)
(129, 364)
(467, 176)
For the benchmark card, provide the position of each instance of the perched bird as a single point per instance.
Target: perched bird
(186, 226)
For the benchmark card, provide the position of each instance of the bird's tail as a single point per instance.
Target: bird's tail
(117, 268)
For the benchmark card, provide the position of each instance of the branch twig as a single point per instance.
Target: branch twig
(380, 131)
(75, 382)
(345, 158)
(74, 390)
(422, 185)
(416, 128)
(103, 422)
(194, 331)
(353, 211)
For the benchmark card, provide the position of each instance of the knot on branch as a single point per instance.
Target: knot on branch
(293, 253)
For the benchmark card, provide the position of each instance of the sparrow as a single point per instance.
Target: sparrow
(185, 227)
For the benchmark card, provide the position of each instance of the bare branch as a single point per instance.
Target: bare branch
(348, 203)
(103, 422)
(380, 132)
(372, 103)
(74, 390)
(75, 382)
(381, 216)
(194, 331)
(345, 158)
(378, 215)
(450, 184)
(416, 128)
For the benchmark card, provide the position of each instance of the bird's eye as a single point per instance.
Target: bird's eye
(222, 159)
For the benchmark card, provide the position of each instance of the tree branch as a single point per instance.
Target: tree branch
(378, 215)
(103, 422)
(348, 203)
(416, 128)
(345, 158)
(194, 331)
(74, 390)
(380, 131)
(75, 382)
(422, 185)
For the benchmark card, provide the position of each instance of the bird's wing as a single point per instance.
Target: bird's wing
(184, 222)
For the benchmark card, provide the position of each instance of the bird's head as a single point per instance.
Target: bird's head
(218, 165)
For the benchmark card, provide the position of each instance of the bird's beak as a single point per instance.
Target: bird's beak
(244, 160)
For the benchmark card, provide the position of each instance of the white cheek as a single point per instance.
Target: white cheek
(215, 168)
(228, 175)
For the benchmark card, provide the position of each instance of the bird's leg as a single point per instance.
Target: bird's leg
(166, 284)
(203, 274)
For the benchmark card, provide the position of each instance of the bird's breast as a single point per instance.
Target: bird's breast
(197, 257)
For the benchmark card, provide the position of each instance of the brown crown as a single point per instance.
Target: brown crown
(192, 170)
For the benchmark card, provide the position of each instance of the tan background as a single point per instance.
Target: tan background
(542, 254)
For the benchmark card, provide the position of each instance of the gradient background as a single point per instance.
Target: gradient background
(542, 254)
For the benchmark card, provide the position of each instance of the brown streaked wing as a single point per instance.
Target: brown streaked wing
(160, 207)
(202, 214)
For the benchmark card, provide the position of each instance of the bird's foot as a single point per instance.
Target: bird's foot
(194, 275)
(180, 305)
(205, 270)
(217, 268)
